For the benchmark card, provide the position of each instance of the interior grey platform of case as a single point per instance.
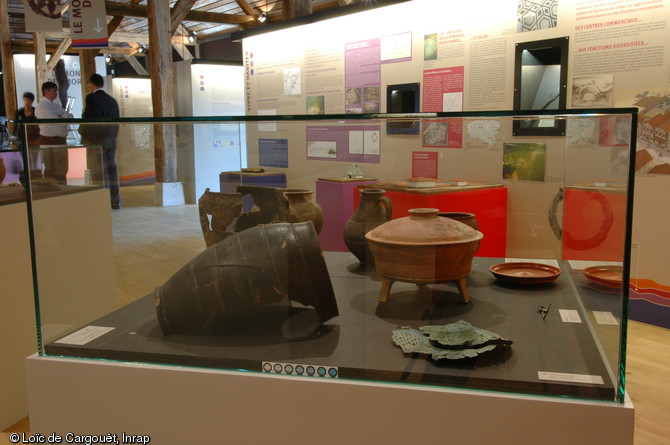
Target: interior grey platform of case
(358, 343)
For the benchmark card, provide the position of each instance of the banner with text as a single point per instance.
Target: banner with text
(88, 24)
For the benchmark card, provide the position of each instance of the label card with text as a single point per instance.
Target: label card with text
(604, 317)
(569, 316)
(573, 378)
(84, 335)
(424, 164)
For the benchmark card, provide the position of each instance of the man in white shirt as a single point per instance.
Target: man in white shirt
(55, 160)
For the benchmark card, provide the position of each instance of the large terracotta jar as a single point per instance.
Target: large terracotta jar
(303, 208)
(373, 210)
(423, 248)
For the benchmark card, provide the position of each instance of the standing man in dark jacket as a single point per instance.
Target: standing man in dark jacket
(101, 105)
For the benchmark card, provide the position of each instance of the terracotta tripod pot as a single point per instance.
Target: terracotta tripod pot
(423, 248)
(373, 210)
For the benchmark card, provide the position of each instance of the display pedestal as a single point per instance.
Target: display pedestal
(336, 198)
(176, 405)
(74, 256)
(17, 316)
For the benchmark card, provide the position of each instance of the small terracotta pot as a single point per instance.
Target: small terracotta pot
(303, 208)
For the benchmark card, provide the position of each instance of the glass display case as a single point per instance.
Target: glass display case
(529, 298)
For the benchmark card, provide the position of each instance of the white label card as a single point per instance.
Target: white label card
(603, 317)
(533, 260)
(579, 265)
(84, 335)
(574, 378)
(569, 316)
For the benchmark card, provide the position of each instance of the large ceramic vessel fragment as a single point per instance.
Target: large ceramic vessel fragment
(423, 248)
(258, 266)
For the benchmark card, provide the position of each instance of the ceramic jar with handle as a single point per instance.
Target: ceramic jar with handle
(373, 210)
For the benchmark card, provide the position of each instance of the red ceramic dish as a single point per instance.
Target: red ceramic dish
(526, 273)
(608, 275)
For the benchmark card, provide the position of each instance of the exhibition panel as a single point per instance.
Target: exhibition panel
(339, 249)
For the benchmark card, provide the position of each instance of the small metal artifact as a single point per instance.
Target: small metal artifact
(543, 310)
(453, 341)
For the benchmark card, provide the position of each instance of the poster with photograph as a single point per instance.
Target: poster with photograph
(315, 105)
(481, 133)
(445, 133)
(362, 76)
(524, 161)
(430, 46)
(292, 81)
(396, 48)
(534, 15)
(594, 91)
(350, 143)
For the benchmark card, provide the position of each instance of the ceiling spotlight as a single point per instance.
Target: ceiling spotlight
(108, 59)
(142, 49)
(262, 17)
(192, 37)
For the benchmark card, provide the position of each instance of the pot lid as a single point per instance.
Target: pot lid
(423, 227)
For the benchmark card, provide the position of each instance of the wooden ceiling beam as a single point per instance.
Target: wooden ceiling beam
(116, 20)
(141, 11)
(178, 12)
(246, 7)
(119, 50)
(323, 6)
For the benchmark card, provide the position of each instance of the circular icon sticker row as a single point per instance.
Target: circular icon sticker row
(297, 369)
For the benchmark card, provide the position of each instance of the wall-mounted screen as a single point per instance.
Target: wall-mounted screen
(540, 83)
(403, 98)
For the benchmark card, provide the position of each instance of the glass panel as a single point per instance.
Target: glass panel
(305, 246)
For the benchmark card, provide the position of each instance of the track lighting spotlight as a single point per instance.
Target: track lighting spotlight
(142, 49)
(262, 17)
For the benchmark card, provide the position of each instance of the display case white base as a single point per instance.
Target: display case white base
(178, 405)
(169, 194)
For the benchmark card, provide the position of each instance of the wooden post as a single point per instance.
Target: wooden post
(295, 8)
(8, 76)
(87, 69)
(162, 88)
(41, 73)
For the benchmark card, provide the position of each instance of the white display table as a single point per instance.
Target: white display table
(178, 405)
